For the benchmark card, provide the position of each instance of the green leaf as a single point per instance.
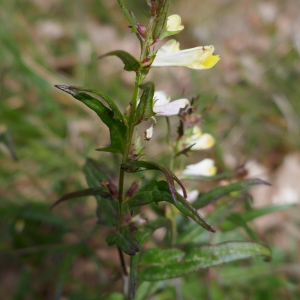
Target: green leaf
(144, 110)
(117, 129)
(141, 236)
(157, 256)
(239, 221)
(131, 64)
(117, 114)
(83, 193)
(7, 140)
(221, 191)
(124, 240)
(106, 210)
(143, 290)
(254, 213)
(137, 166)
(200, 257)
(159, 191)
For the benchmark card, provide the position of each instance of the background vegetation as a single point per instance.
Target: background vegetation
(253, 94)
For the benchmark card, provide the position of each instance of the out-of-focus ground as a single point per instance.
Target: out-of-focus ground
(254, 98)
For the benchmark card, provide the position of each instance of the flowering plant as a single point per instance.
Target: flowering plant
(119, 208)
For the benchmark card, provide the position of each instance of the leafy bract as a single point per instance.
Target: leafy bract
(131, 64)
(144, 110)
(159, 191)
(117, 114)
(164, 264)
(117, 129)
(106, 210)
(221, 191)
(124, 240)
(137, 166)
(84, 193)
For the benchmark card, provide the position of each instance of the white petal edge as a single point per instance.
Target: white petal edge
(205, 167)
(161, 98)
(171, 109)
(171, 46)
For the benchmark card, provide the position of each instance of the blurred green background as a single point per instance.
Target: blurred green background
(254, 98)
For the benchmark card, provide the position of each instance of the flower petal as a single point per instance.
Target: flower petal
(174, 23)
(205, 167)
(205, 141)
(161, 98)
(195, 58)
(171, 109)
(172, 46)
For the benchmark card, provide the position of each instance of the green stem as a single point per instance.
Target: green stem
(130, 129)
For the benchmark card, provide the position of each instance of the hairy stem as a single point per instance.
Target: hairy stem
(127, 14)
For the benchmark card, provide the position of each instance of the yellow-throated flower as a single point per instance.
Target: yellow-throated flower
(170, 55)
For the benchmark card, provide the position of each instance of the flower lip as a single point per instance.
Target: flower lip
(173, 108)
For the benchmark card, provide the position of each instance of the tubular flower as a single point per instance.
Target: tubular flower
(200, 58)
(205, 167)
(201, 140)
(164, 108)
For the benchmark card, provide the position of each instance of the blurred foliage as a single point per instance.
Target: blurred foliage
(62, 254)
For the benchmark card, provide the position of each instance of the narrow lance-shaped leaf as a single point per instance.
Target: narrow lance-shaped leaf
(197, 258)
(254, 213)
(144, 110)
(141, 236)
(117, 129)
(124, 240)
(137, 166)
(159, 191)
(83, 193)
(239, 221)
(117, 114)
(221, 191)
(106, 210)
(186, 150)
(131, 64)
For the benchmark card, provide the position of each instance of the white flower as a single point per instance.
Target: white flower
(201, 140)
(169, 55)
(191, 196)
(205, 167)
(164, 108)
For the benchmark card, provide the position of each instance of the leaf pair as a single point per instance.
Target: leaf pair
(111, 117)
(159, 191)
(137, 166)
